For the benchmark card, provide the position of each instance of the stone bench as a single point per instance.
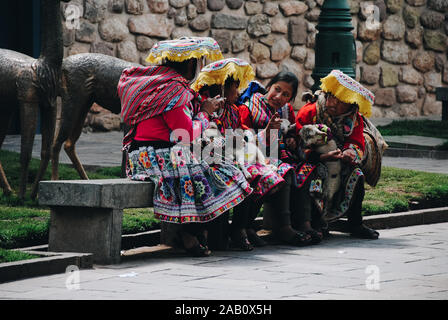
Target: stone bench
(87, 215)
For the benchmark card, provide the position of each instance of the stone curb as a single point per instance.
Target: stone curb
(379, 221)
(406, 219)
(50, 263)
(416, 153)
(57, 262)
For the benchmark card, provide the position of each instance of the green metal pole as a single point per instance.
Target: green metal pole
(335, 45)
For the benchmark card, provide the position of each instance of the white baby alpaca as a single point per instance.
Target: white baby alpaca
(311, 135)
(245, 149)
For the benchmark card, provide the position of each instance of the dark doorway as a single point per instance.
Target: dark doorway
(20, 31)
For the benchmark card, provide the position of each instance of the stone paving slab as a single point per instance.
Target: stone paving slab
(404, 260)
(103, 149)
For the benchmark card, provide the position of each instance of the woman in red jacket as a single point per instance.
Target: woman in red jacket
(338, 108)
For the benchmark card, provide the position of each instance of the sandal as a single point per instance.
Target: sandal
(202, 238)
(254, 239)
(316, 236)
(198, 250)
(240, 241)
(300, 239)
(363, 232)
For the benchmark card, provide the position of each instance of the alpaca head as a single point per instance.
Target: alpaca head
(284, 126)
(315, 134)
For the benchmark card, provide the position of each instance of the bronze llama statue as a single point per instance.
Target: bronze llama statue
(86, 78)
(28, 85)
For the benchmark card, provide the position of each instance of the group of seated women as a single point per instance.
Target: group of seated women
(173, 106)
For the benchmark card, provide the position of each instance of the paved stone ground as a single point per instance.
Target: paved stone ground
(410, 262)
(104, 149)
(405, 263)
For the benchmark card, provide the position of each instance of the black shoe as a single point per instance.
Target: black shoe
(299, 239)
(240, 241)
(198, 250)
(363, 232)
(254, 239)
(316, 236)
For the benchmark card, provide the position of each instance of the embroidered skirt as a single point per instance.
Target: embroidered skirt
(343, 198)
(267, 177)
(187, 190)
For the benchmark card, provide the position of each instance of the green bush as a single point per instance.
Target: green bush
(13, 255)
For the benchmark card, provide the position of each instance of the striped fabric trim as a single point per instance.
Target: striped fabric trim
(146, 92)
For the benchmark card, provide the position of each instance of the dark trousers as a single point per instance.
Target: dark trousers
(245, 213)
(303, 207)
(354, 213)
(278, 203)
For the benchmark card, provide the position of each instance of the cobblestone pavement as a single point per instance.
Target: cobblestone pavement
(405, 263)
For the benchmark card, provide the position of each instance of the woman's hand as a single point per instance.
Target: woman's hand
(211, 105)
(274, 123)
(291, 143)
(348, 155)
(331, 156)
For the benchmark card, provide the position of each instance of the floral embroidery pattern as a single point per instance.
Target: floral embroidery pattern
(187, 188)
(203, 190)
(160, 162)
(144, 160)
(165, 192)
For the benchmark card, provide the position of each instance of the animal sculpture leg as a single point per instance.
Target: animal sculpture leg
(48, 121)
(76, 124)
(28, 122)
(69, 147)
(5, 121)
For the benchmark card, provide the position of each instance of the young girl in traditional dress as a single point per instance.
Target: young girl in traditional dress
(165, 115)
(264, 110)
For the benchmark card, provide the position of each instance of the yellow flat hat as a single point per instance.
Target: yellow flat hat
(185, 48)
(348, 90)
(218, 72)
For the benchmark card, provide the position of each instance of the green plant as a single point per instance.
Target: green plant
(401, 190)
(15, 255)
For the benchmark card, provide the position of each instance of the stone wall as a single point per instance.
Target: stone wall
(402, 61)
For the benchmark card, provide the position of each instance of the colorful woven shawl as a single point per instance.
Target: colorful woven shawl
(341, 126)
(261, 112)
(228, 119)
(146, 92)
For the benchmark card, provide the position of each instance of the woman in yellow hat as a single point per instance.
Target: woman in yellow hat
(165, 115)
(338, 110)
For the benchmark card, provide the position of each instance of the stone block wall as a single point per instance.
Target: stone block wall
(402, 60)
